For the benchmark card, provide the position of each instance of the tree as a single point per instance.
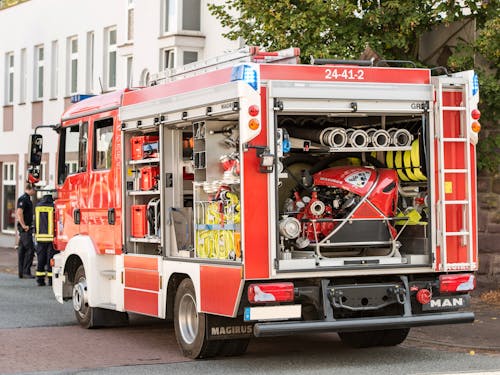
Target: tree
(393, 28)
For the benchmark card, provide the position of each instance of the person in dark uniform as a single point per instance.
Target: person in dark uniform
(44, 235)
(26, 250)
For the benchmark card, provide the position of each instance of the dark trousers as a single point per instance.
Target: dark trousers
(44, 253)
(26, 251)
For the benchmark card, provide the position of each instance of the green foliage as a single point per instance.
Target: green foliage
(392, 28)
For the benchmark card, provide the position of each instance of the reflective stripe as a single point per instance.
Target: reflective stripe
(44, 233)
(49, 274)
(38, 273)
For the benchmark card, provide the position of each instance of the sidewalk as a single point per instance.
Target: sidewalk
(483, 335)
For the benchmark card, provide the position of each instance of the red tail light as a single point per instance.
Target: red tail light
(275, 292)
(424, 296)
(463, 282)
(253, 110)
(475, 114)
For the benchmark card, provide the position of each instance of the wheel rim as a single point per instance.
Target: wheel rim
(188, 319)
(80, 299)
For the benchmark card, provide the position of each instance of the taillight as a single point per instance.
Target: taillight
(275, 292)
(253, 110)
(475, 114)
(463, 282)
(253, 124)
(476, 126)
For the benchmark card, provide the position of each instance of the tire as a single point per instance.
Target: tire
(360, 339)
(190, 325)
(83, 312)
(367, 339)
(235, 347)
(393, 337)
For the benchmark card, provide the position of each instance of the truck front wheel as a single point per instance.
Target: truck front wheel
(83, 311)
(190, 325)
(389, 337)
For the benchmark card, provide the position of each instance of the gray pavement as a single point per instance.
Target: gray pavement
(428, 350)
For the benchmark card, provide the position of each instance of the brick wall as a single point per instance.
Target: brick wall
(488, 188)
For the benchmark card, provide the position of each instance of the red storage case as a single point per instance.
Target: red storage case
(139, 221)
(138, 144)
(149, 177)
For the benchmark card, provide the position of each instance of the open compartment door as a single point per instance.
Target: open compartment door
(456, 97)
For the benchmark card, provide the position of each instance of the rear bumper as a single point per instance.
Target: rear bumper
(360, 324)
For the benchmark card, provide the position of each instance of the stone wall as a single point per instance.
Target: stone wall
(488, 188)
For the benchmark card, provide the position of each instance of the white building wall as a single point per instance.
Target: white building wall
(41, 22)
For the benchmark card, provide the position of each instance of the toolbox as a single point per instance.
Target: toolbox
(149, 177)
(139, 221)
(145, 146)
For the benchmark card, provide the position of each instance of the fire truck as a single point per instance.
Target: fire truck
(250, 196)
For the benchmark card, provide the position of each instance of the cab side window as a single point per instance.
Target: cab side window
(69, 152)
(103, 141)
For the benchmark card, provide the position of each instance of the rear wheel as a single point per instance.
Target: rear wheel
(235, 347)
(389, 337)
(190, 325)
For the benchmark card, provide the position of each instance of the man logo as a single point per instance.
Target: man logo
(447, 302)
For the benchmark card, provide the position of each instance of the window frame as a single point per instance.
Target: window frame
(100, 124)
(167, 59)
(109, 50)
(62, 171)
(23, 77)
(39, 72)
(182, 14)
(90, 68)
(72, 71)
(54, 69)
(9, 77)
(9, 172)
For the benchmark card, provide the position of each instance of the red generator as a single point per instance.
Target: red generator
(139, 221)
(149, 177)
(144, 147)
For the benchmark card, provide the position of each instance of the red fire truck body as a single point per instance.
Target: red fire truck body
(259, 199)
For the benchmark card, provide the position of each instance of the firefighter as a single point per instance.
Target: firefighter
(24, 215)
(44, 235)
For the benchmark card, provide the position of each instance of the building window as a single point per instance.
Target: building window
(90, 62)
(191, 15)
(110, 57)
(54, 69)
(73, 65)
(9, 78)
(167, 59)
(130, 64)
(189, 57)
(168, 15)
(103, 135)
(9, 196)
(23, 81)
(38, 73)
(130, 20)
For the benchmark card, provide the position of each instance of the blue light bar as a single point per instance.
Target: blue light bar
(246, 73)
(79, 97)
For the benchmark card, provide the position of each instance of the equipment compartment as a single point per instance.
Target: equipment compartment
(350, 189)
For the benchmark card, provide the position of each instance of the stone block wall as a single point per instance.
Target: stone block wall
(488, 188)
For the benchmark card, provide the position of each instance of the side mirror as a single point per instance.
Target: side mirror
(35, 149)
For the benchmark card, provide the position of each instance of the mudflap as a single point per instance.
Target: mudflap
(224, 328)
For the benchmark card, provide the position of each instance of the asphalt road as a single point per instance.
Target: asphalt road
(39, 336)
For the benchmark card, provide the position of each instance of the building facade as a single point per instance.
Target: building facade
(51, 50)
